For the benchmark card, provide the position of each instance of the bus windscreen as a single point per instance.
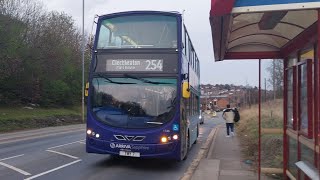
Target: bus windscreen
(134, 102)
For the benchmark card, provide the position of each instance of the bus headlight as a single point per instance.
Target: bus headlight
(175, 137)
(97, 135)
(89, 132)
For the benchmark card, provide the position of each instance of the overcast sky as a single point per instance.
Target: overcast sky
(196, 20)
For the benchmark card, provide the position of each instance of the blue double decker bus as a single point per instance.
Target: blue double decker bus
(144, 92)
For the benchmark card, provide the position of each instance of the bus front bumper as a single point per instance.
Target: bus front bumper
(168, 150)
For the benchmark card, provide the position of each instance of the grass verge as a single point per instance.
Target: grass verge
(271, 144)
(18, 118)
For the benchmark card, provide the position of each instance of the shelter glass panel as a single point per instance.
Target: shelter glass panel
(307, 154)
(306, 88)
(303, 99)
(290, 96)
(293, 156)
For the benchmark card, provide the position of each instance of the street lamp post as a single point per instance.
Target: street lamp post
(206, 102)
(83, 50)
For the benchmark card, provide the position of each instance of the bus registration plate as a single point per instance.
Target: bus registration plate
(130, 154)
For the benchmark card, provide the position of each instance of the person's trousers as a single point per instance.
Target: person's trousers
(229, 126)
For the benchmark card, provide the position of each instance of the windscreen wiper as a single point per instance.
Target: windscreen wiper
(144, 80)
(95, 61)
(154, 122)
(172, 103)
(100, 75)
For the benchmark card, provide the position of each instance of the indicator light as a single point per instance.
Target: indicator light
(164, 139)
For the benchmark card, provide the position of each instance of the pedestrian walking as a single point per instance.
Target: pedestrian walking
(228, 116)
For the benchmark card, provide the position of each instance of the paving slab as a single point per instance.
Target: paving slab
(208, 169)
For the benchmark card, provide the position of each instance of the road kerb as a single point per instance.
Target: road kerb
(30, 137)
(202, 153)
(209, 154)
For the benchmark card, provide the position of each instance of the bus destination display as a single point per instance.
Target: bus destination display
(151, 65)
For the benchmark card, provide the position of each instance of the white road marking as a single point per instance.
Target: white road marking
(81, 142)
(52, 170)
(15, 169)
(11, 157)
(65, 144)
(70, 156)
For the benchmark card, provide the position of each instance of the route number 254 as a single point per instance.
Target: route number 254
(154, 65)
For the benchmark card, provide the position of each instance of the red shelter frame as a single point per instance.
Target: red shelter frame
(226, 43)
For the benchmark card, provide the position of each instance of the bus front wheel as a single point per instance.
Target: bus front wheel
(195, 142)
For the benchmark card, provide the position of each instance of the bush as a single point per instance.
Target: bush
(56, 93)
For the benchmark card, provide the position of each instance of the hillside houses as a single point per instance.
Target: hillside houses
(216, 97)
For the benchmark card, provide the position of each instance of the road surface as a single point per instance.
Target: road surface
(59, 153)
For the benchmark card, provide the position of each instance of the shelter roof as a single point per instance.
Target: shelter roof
(251, 29)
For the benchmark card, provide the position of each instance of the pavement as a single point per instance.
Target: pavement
(223, 160)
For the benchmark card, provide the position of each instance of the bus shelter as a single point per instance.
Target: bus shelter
(287, 30)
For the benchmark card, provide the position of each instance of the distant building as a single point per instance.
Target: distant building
(222, 103)
(217, 96)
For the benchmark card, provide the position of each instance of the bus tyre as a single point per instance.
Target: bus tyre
(195, 142)
(188, 145)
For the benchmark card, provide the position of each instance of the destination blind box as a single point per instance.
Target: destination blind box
(142, 63)
(153, 65)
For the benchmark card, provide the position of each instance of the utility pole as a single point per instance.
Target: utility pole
(206, 102)
(249, 98)
(265, 89)
(274, 79)
(83, 50)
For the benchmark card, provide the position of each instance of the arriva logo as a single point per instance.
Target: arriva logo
(112, 145)
(120, 146)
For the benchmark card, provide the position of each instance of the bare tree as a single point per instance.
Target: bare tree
(276, 77)
(40, 52)
(22, 10)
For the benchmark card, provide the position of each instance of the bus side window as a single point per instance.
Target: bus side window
(183, 40)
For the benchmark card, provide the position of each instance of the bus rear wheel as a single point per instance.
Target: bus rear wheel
(188, 146)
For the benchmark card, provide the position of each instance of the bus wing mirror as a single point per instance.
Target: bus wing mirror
(86, 91)
(184, 76)
(185, 90)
